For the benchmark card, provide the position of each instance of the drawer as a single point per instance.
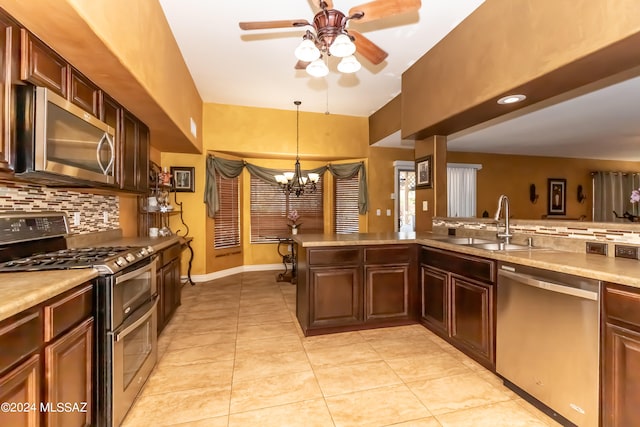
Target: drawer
(388, 255)
(67, 311)
(464, 265)
(169, 254)
(20, 336)
(622, 303)
(334, 256)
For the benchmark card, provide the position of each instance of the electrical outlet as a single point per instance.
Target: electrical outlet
(596, 248)
(105, 217)
(76, 218)
(624, 251)
(388, 212)
(378, 212)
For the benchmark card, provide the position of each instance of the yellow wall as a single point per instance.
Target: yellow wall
(522, 171)
(264, 137)
(381, 184)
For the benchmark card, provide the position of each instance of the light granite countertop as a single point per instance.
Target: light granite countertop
(610, 269)
(20, 291)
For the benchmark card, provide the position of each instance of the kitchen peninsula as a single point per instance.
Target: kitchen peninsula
(449, 285)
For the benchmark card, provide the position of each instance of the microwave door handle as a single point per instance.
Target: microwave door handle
(106, 138)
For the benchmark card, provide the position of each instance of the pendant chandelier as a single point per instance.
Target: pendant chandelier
(295, 182)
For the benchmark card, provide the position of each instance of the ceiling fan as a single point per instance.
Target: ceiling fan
(329, 35)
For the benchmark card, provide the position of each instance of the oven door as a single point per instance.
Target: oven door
(134, 352)
(132, 288)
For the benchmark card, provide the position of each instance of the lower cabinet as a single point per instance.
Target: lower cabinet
(458, 301)
(347, 288)
(46, 363)
(168, 284)
(621, 356)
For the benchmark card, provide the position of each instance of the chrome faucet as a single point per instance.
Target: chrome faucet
(504, 200)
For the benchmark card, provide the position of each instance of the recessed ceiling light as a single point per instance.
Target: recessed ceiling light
(511, 99)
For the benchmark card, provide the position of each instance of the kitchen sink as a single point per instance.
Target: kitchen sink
(501, 246)
(467, 241)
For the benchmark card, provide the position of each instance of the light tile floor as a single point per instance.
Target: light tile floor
(234, 355)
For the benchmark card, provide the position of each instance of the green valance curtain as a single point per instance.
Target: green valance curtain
(233, 168)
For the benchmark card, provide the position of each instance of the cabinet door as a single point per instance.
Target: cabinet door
(472, 317)
(42, 66)
(434, 300)
(21, 386)
(129, 152)
(160, 306)
(84, 93)
(335, 295)
(142, 183)
(171, 288)
(9, 37)
(68, 369)
(621, 377)
(386, 292)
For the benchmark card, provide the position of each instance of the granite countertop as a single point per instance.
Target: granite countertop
(610, 269)
(20, 291)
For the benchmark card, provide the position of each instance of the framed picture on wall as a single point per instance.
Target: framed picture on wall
(424, 172)
(557, 196)
(183, 178)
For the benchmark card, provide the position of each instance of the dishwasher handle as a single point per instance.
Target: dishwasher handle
(553, 287)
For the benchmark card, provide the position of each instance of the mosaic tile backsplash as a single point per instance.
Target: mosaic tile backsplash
(97, 212)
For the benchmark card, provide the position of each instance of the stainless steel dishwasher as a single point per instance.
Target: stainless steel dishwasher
(547, 339)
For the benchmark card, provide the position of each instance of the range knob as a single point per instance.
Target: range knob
(150, 249)
(144, 252)
(121, 261)
(130, 257)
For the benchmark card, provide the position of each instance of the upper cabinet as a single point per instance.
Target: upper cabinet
(9, 53)
(25, 58)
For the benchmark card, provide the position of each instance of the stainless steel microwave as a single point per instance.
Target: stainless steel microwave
(58, 143)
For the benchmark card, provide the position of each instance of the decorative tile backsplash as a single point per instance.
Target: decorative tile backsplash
(98, 212)
(618, 232)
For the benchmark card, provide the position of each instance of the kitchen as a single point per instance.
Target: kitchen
(206, 262)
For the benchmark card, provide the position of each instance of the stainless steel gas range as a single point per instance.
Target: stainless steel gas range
(125, 302)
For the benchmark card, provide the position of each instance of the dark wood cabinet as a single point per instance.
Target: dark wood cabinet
(434, 295)
(9, 73)
(458, 301)
(168, 284)
(41, 66)
(84, 93)
(472, 317)
(47, 359)
(620, 394)
(68, 370)
(21, 387)
(348, 288)
(336, 296)
(134, 154)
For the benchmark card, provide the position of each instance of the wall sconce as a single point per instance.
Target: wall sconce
(581, 195)
(532, 193)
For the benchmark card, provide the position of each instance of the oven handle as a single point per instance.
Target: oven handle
(149, 308)
(125, 277)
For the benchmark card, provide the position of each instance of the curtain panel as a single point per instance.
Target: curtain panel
(233, 168)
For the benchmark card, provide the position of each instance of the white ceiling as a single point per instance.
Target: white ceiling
(256, 68)
(598, 121)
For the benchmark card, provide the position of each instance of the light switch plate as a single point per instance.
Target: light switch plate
(378, 212)
(388, 212)
(425, 205)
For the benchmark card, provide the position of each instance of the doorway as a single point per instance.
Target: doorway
(405, 196)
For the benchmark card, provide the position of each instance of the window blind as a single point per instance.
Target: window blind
(227, 219)
(346, 202)
(270, 207)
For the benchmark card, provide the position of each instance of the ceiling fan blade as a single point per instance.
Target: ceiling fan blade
(365, 47)
(301, 65)
(382, 8)
(263, 25)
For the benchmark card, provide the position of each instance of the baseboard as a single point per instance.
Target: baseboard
(231, 271)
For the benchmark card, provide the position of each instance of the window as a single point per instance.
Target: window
(227, 219)
(346, 202)
(270, 206)
(461, 189)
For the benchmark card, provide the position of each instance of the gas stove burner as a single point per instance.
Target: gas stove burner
(107, 260)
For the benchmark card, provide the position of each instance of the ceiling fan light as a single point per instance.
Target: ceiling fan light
(317, 68)
(342, 46)
(307, 51)
(349, 64)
